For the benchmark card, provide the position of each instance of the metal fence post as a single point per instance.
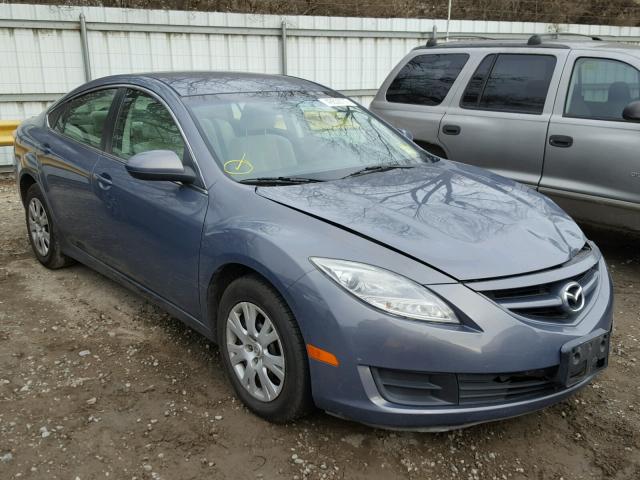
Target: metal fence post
(85, 48)
(448, 20)
(284, 46)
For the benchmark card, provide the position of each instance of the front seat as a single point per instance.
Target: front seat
(263, 150)
(619, 97)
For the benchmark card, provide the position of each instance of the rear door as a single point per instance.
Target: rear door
(416, 95)
(593, 154)
(499, 121)
(150, 230)
(71, 151)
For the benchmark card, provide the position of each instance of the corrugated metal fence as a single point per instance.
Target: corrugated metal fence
(45, 51)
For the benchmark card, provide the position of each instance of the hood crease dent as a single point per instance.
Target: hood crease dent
(459, 219)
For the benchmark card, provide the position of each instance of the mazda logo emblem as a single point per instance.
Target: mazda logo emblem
(572, 297)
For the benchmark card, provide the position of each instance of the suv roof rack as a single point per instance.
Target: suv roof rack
(433, 41)
(537, 38)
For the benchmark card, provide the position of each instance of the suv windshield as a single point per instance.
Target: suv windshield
(299, 135)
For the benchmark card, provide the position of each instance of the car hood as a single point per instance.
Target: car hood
(461, 220)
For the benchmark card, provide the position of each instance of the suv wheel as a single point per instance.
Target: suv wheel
(263, 351)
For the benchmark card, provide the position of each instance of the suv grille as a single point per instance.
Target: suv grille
(543, 302)
(464, 389)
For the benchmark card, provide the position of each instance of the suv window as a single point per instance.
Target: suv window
(426, 79)
(510, 83)
(600, 89)
(145, 124)
(83, 118)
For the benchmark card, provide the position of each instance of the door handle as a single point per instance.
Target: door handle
(451, 129)
(104, 180)
(562, 141)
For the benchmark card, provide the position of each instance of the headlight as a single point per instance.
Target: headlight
(386, 290)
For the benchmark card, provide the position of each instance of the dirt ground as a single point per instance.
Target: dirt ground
(97, 383)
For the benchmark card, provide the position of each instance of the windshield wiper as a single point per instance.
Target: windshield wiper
(278, 180)
(376, 168)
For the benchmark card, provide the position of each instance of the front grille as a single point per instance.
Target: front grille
(464, 389)
(543, 302)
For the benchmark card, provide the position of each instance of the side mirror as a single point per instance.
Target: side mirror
(406, 133)
(632, 112)
(159, 165)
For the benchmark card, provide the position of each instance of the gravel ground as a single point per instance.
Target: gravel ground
(97, 383)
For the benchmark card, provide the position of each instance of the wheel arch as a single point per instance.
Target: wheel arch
(433, 148)
(26, 181)
(225, 274)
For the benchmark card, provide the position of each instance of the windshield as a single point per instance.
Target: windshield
(297, 134)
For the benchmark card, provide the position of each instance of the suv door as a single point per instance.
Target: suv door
(150, 231)
(499, 121)
(72, 150)
(592, 165)
(416, 94)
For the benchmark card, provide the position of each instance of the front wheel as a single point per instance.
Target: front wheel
(263, 351)
(42, 233)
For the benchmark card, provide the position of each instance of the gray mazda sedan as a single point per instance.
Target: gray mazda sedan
(335, 263)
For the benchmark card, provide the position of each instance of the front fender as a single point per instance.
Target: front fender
(276, 241)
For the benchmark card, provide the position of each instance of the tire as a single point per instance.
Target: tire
(293, 399)
(42, 232)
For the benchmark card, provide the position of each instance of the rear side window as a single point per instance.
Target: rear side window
(600, 89)
(83, 118)
(426, 79)
(510, 83)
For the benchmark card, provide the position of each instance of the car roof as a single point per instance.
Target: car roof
(543, 41)
(211, 83)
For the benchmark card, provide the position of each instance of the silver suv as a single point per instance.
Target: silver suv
(559, 116)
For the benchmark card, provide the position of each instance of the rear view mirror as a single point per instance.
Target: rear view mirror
(159, 165)
(406, 133)
(632, 112)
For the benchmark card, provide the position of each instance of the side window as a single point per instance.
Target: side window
(476, 84)
(600, 89)
(145, 124)
(426, 79)
(83, 118)
(510, 83)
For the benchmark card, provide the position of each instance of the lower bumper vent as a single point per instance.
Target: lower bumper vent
(447, 389)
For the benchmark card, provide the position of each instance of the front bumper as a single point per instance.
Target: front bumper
(493, 342)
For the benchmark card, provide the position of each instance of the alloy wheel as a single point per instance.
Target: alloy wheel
(39, 227)
(255, 351)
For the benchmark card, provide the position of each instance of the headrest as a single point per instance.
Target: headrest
(255, 118)
(619, 92)
(99, 117)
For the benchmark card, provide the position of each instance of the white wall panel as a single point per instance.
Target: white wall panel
(43, 60)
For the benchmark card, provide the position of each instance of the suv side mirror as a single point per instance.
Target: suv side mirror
(159, 165)
(632, 112)
(406, 133)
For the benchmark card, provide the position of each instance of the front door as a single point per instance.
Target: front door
(499, 122)
(150, 230)
(592, 161)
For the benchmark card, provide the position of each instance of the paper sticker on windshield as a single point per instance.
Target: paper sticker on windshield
(337, 102)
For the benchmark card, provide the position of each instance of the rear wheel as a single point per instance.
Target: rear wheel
(263, 351)
(42, 235)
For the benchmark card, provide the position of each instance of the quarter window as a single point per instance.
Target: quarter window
(510, 83)
(145, 124)
(426, 79)
(83, 118)
(600, 89)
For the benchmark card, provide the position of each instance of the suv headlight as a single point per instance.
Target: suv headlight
(386, 290)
